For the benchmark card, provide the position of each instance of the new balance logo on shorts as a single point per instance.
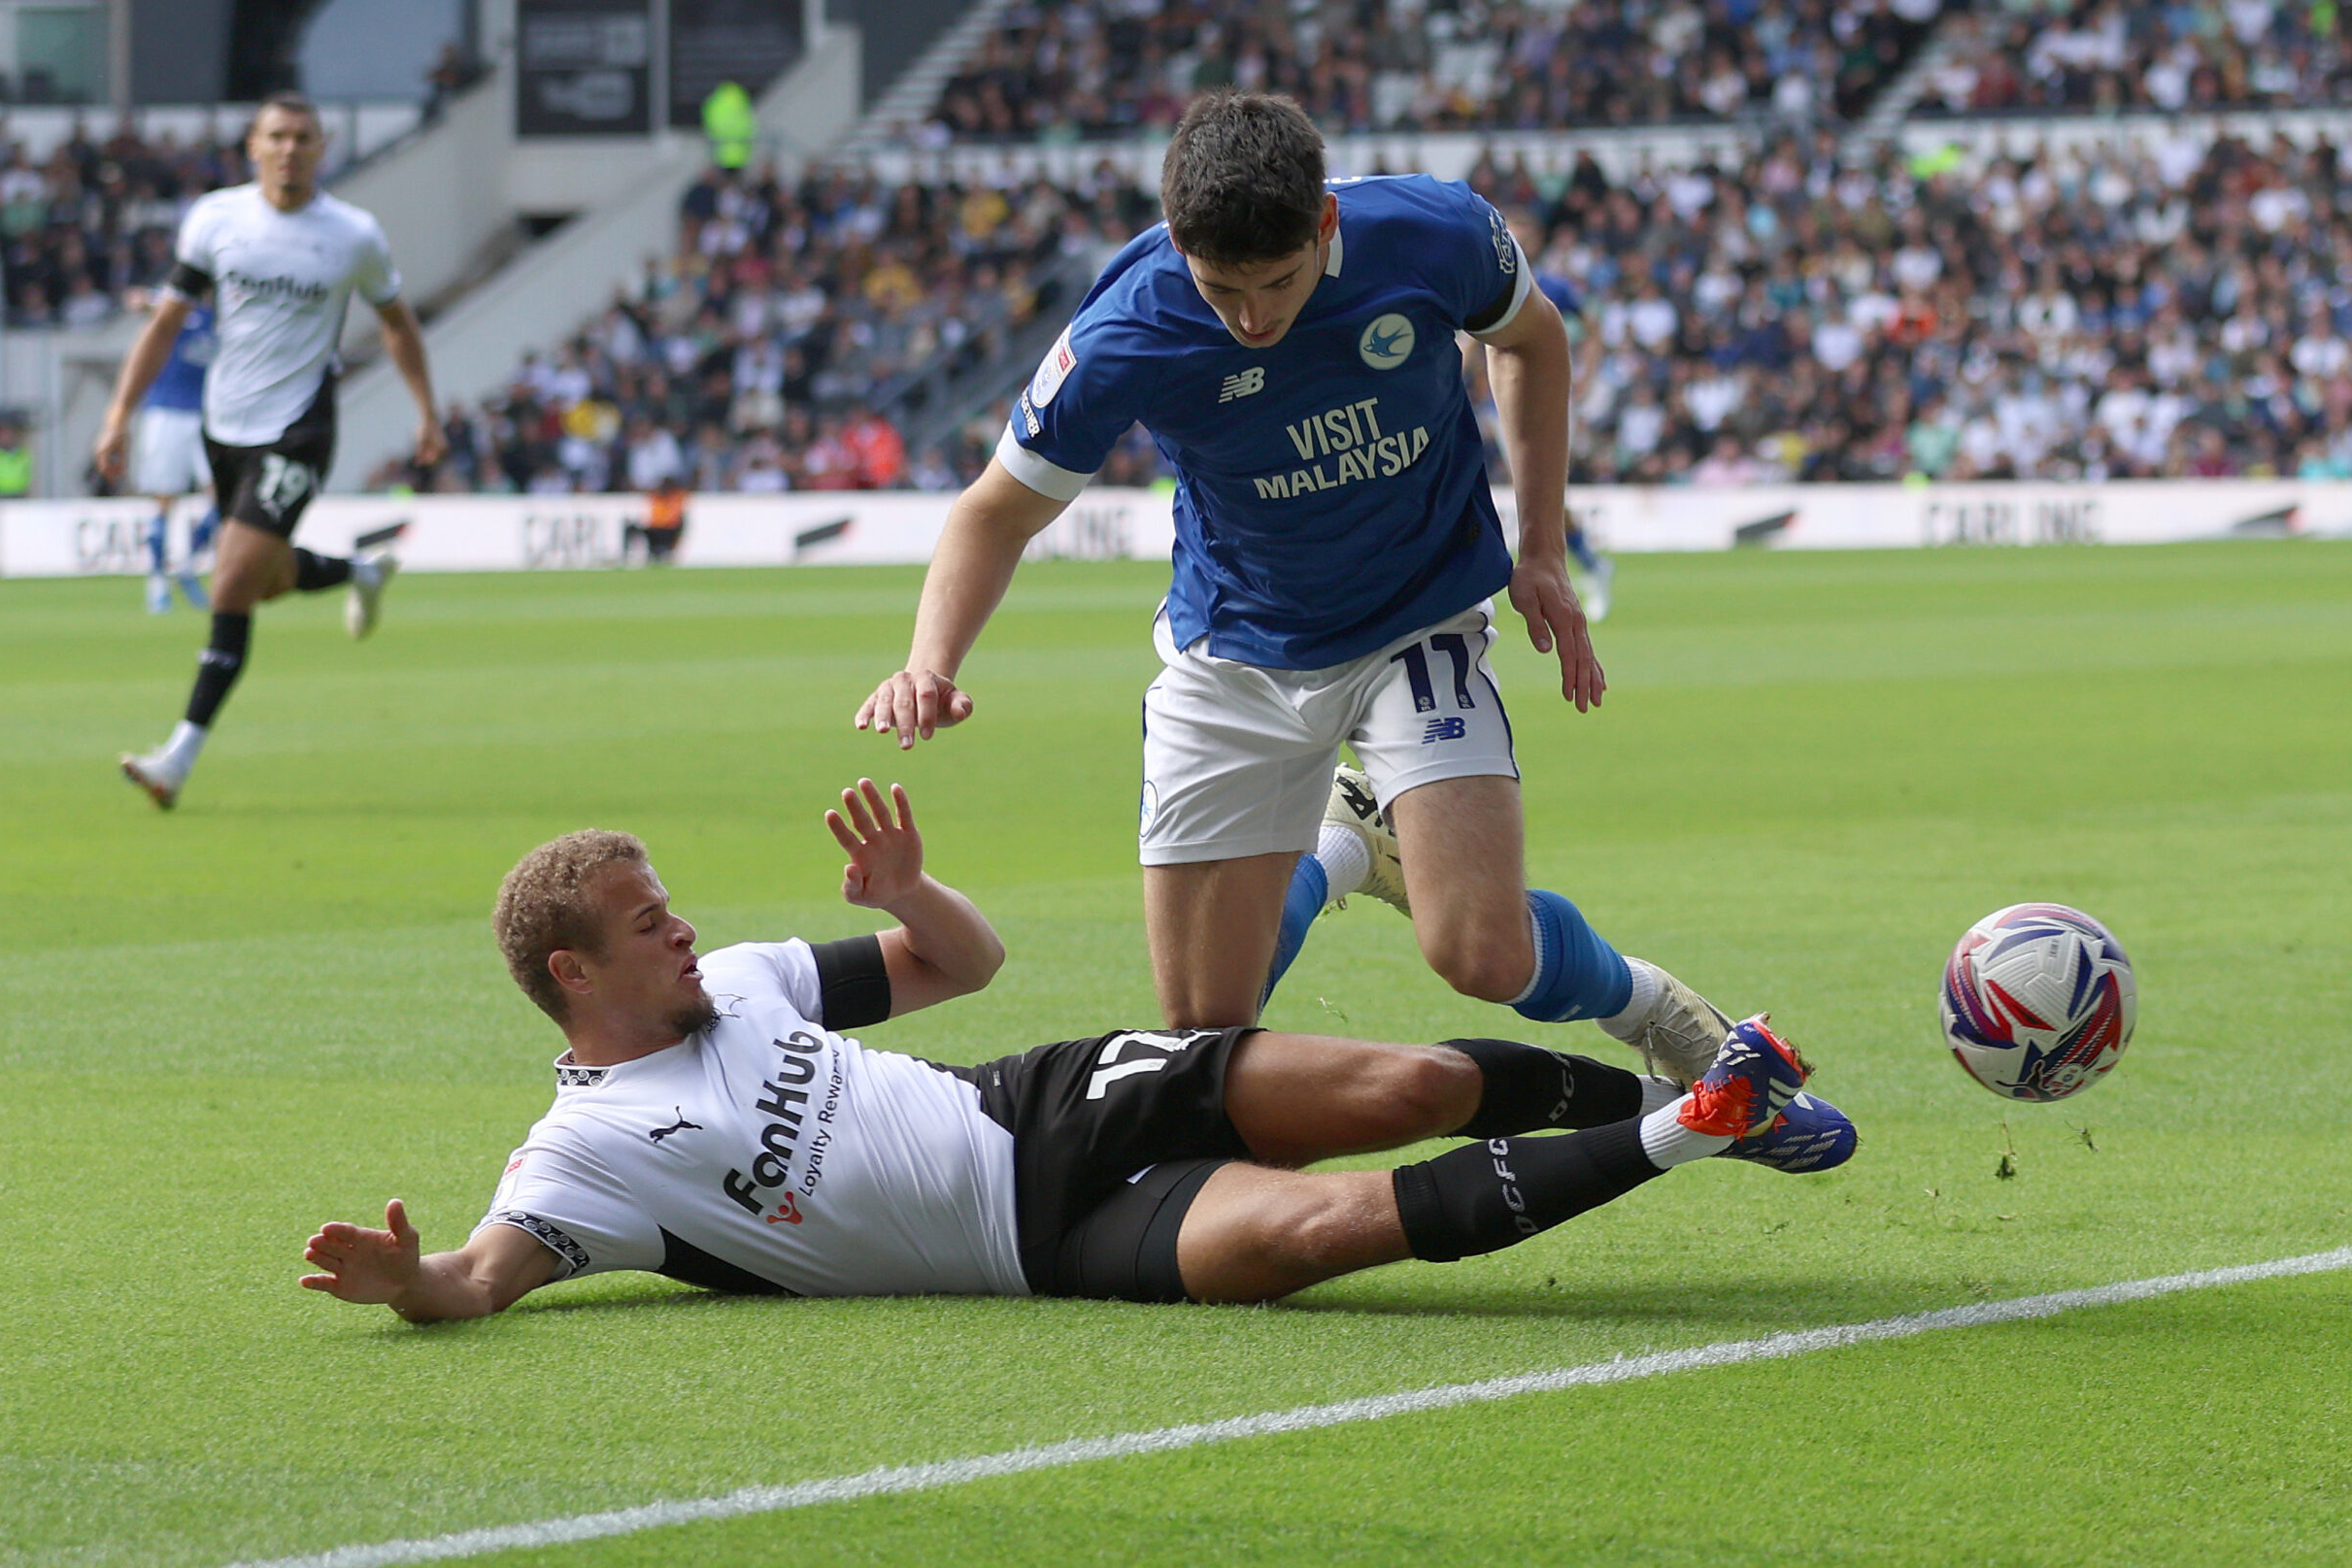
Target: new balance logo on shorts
(1444, 729)
(1250, 380)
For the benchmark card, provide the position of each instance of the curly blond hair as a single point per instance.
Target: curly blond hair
(545, 904)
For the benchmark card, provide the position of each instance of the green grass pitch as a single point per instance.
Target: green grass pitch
(279, 1004)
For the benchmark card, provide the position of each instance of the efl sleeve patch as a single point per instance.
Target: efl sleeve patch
(852, 982)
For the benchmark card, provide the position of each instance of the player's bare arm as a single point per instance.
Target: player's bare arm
(404, 341)
(496, 1268)
(944, 947)
(990, 525)
(1528, 366)
(140, 368)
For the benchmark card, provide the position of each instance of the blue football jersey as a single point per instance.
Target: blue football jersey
(1331, 490)
(180, 383)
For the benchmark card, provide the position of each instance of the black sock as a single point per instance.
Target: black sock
(1528, 1087)
(314, 572)
(1483, 1197)
(219, 666)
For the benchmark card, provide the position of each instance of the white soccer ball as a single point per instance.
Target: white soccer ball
(2038, 1001)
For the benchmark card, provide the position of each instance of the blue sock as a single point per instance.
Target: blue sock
(202, 534)
(1309, 888)
(1582, 548)
(154, 545)
(1577, 974)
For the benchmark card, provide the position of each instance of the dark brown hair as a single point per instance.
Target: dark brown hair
(289, 100)
(1242, 181)
(546, 904)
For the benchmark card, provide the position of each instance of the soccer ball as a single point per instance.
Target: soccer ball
(2038, 1001)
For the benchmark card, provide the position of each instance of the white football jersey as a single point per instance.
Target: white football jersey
(281, 282)
(767, 1154)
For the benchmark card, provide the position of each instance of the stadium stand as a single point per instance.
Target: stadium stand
(766, 348)
(1102, 68)
(1806, 314)
(2109, 57)
(2103, 314)
(94, 217)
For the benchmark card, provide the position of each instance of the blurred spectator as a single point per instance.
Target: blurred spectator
(454, 69)
(15, 459)
(664, 524)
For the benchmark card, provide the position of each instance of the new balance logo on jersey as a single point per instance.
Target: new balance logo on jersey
(678, 1125)
(1250, 381)
(1444, 729)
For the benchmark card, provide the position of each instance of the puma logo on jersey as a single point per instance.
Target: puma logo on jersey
(1250, 381)
(678, 1125)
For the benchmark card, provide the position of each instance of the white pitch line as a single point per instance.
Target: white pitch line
(894, 1479)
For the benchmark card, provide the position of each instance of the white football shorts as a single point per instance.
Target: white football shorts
(168, 452)
(1237, 758)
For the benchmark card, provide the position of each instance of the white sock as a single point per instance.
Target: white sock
(1657, 1093)
(1346, 861)
(180, 751)
(1669, 1143)
(1627, 1024)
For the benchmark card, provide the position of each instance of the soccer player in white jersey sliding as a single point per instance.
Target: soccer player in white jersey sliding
(1290, 343)
(714, 1123)
(281, 259)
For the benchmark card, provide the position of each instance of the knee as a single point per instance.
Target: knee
(1428, 1091)
(1492, 971)
(1482, 952)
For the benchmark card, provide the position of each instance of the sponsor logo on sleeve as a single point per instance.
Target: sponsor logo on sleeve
(1052, 370)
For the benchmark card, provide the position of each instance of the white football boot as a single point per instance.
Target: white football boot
(155, 776)
(1679, 1034)
(1354, 807)
(370, 575)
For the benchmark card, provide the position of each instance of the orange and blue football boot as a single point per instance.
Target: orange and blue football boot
(1755, 1076)
(1810, 1135)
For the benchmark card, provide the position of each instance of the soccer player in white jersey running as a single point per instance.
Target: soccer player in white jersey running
(714, 1123)
(1290, 343)
(281, 259)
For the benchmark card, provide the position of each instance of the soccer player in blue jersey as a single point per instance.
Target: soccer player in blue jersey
(1289, 344)
(168, 459)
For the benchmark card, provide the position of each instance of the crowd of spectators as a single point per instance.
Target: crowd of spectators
(767, 350)
(95, 218)
(2106, 56)
(1071, 69)
(2173, 310)
(2185, 311)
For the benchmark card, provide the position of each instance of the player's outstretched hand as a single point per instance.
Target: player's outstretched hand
(432, 445)
(370, 1267)
(915, 702)
(1555, 623)
(886, 853)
